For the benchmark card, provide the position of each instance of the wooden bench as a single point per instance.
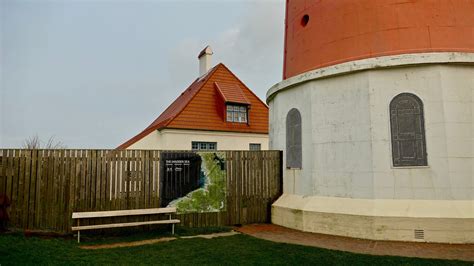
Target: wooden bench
(102, 214)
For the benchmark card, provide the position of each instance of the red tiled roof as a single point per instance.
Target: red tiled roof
(231, 93)
(198, 103)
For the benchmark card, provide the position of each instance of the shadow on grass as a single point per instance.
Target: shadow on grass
(135, 234)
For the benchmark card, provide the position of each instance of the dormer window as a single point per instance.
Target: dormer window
(233, 105)
(236, 113)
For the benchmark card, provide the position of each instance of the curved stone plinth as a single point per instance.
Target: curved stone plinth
(447, 221)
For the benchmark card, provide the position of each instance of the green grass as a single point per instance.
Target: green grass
(15, 249)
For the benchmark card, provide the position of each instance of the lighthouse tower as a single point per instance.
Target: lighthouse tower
(375, 119)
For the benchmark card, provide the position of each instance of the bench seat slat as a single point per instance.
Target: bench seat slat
(99, 214)
(102, 226)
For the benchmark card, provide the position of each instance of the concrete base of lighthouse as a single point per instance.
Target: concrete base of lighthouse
(403, 220)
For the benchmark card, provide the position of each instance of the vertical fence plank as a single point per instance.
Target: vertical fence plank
(48, 204)
(82, 181)
(6, 168)
(39, 178)
(44, 189)
(156, 177)
(9, 173)
(146, 180)
(32, 190)
(116, 174)
(141, 183)
(3, 171)
(103, 180)
(124, 178)
(54, 189)
(87, 180)
(134, 179)
(261, 199)
(126, 161)
(71, 189)
(240, 192)
(26, 189)
(93, 177)
(15, 175)
(98, 179)
(68, 171)
(21, 189)
(58, 188)
(113, 189)
(61, 225)
(77, 183)
(245, 185)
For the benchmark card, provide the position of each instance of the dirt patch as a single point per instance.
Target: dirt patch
(209, 236)
(154, 241)
(130, 244)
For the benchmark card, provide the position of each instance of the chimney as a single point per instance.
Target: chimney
(205, 60)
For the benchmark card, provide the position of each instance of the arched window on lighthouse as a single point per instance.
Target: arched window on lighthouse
(408, 131)
(293, 139)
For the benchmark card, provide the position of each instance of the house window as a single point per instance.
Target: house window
(255, 146)
(203, 146)
(236, 113)
(407, 125)
(293, 139)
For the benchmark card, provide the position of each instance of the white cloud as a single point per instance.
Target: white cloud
(252, 49)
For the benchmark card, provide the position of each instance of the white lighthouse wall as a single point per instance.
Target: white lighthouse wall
(346, 134)
(336, 137)
(347, 184)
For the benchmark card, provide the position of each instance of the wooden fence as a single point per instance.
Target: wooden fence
(46, 186)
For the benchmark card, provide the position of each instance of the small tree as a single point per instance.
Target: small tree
(34, 142)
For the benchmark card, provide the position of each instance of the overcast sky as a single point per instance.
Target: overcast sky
(95, 73)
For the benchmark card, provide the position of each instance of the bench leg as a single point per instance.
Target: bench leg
(78, 233)
(172, 225)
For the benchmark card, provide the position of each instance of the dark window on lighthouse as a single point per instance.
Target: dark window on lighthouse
(293, 139)
(305, 20)
(408, 131)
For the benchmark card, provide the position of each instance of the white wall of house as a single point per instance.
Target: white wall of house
(181, 139)
(346, 149)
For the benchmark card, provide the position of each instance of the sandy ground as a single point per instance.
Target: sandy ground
(154, 241)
